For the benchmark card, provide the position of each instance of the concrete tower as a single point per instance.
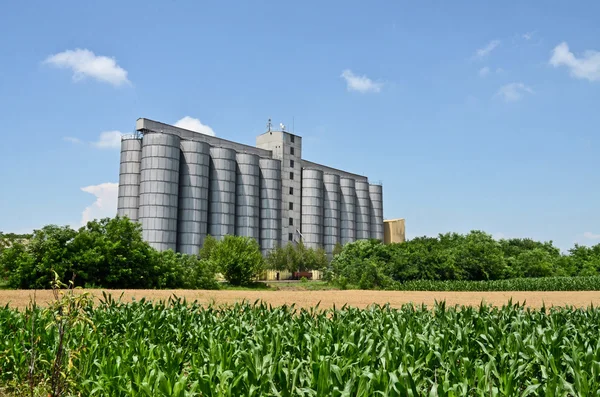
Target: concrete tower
(287, 148)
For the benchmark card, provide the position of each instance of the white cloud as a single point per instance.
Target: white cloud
(484, 71)
(499, 70)
(105, 204)
(591, 236)
(360, 83)
(585, 67)
(72, 139)
(84, 63)
(528, 35)
(192, 124)
(108, 140)
(485, 51)
(513, 91)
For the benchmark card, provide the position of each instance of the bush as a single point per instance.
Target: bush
(296, 258)
(238, 258)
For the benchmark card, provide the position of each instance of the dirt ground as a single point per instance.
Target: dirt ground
(21, 298)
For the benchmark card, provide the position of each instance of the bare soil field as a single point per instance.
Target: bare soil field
(356, 298)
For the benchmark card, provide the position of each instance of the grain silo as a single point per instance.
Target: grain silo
(129, 177)
(331, 211)
(193, 196)
(221, 204)
(363, 205)
(247, 201)
(182, 185)
(348, 210)
(270, 204)
(159, 190)
(312, 208)
(376, 196)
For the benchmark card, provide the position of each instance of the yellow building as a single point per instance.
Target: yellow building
(394, 231)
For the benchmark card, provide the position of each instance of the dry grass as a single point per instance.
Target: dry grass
(21, 298)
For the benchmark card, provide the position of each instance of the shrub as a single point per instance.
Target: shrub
(238, 258)
(296, 258)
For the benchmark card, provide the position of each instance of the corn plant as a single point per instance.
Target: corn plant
(177, 348)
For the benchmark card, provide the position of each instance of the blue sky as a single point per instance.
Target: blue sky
(474, 115)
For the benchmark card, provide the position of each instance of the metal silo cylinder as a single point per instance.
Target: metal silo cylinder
(129, 178)
(193, 196)
(348, 210)
(331, 212)
(376, 195)
(221, 202)
(247, 201)
(159, 190)
(363, 213)
(270, 204)
(312, 208)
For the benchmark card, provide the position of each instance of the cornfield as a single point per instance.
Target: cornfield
(591, 283)
(176, 348)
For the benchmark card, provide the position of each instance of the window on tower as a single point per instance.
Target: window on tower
(292, 151)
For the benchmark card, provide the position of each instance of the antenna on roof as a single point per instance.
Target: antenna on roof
(282, 127)
(269, 126)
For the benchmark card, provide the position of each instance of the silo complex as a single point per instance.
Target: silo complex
(270, 204)
(376, 196)
(312, 208)
(331, 212)
(247, 200)
(221, 213)
(193, 196)
(129, 178)
(348, 210)
(363, 205)
(183, 185)
(159, 190)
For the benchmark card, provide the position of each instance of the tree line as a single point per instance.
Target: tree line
(476, 256)
(110, 253)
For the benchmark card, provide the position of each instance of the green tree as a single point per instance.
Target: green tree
(278, 258)
(238, 258)
(337, 249)
(49, 250)
(536, 263)
(208, 246)
(111, 253)
(479, 257)
(17, 266)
